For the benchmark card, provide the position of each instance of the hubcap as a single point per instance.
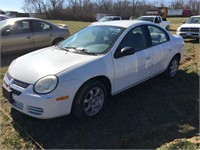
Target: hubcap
(173, 68)
(93, 101)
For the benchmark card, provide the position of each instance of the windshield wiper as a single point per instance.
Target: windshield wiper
(80, 49)
(59, 46)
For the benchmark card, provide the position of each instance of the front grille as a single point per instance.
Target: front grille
(190, 29)
(18, 105)
(20, 83)
(185, 29)
(16, 82)
(194, 29)
(35, 110)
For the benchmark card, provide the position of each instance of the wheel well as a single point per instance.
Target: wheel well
(178, 55)
(104, 80)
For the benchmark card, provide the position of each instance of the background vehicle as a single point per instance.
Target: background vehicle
(25, 34)
(191, 28)
(81, 72)
(156, 19)
(3, 17)
(110, 18)
(179, 13)
(16, 14)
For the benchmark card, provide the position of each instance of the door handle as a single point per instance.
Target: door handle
(28, 37)
(170, 49)
(50, 34)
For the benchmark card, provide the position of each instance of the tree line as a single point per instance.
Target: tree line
(85, 10)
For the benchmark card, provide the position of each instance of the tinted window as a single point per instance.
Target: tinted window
(158, 35)
(20, 27)
(40, 26)
(117, 18)
(136, 39)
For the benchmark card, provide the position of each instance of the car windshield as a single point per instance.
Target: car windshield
(92, 40)
(146, 19)
(193, 20)
(105, 19)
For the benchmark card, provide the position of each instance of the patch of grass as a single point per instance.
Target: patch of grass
(190, 144)
(10, 137)
(72, 25)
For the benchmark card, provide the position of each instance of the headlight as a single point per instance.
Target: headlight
(46, 84)
(178, 29)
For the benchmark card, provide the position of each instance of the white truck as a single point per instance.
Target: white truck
(157, 20)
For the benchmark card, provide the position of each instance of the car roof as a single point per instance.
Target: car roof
(121, 23)
(149, 16)
(112, 16)
(24, 18)
(27, 18)
(195, 16)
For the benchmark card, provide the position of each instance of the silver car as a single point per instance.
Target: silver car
(26, 34)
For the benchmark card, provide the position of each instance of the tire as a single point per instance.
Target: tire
(56, 41)
(172, 68)
(89, 100)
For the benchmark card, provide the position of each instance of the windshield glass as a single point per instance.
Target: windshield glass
(105, 19)
(193, 20)
(146, 19)
(93, 39)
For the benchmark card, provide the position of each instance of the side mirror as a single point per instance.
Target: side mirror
(184, 21)
(125, 52)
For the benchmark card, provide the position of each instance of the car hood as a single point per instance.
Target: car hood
(49, 61)
(190, 25)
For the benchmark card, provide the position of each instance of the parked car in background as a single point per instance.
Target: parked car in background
(26, 34)
(80, 73)
(3, 17)
(110, 18)
(190, 29)
(156, 19)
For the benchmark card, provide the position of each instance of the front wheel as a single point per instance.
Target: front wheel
(89, 100)
(172, 68)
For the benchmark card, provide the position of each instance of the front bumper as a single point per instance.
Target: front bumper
(43, 106)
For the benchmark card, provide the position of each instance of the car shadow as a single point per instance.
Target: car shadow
(145, 116)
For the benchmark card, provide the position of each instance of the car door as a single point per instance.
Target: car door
(134, 68)
(160, 48)
(17, 37)
(43, 35)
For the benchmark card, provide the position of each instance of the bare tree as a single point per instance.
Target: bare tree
(194, 5)
(178, 4)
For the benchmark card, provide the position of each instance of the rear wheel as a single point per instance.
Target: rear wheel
(172, 68)
(89, 100)
(56, 41)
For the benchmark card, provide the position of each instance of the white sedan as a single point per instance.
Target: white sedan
(79, 74)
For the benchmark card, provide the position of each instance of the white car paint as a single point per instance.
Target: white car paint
(73, 70)
(163, 24)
